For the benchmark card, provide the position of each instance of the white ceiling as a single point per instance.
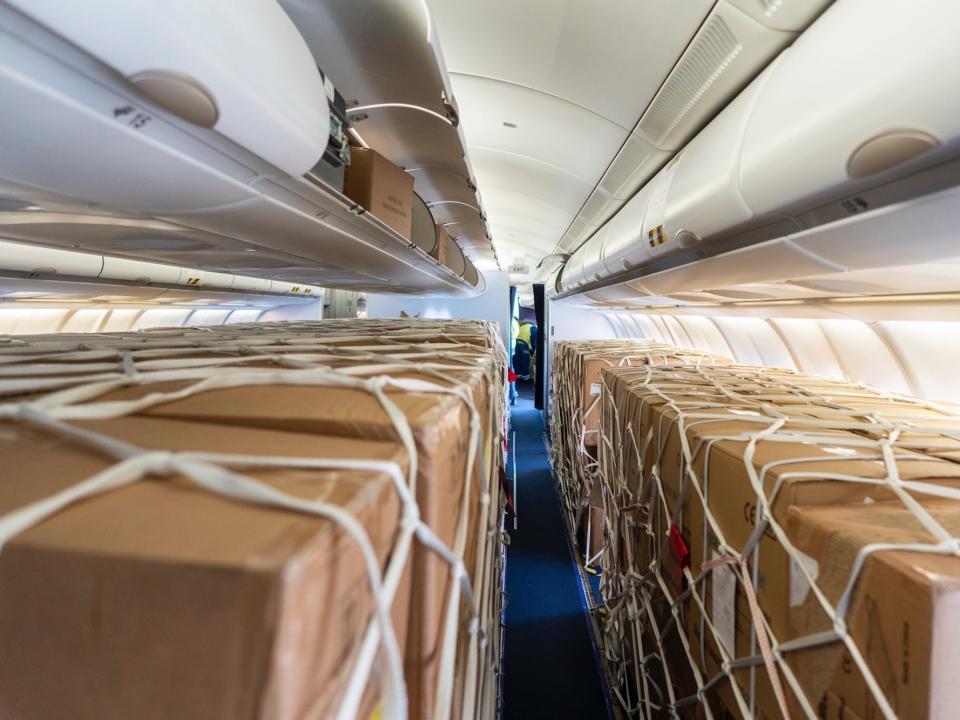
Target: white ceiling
(574, 77)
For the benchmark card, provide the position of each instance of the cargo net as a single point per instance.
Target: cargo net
(778, 545)
(55, 382)
(575, 415)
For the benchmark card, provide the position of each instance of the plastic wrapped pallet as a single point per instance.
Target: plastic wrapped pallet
(431, 392)
(575, 414)
(745, 507)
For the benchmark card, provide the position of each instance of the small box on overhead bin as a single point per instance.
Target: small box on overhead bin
(442, 250)
(381, 187)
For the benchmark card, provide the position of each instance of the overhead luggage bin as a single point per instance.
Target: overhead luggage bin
(455, 259)
(399, 97)
(254, 284)
(735, 41)
(839, 116)
(139, 160)
(589, 267)
(248, 74)
(470, 273)
(700, 190)
(206, 278)
(623, 246)
(423, 233)
(140, 272)
(86, 276)
(816, 138)
(131, 158)
(38, 261)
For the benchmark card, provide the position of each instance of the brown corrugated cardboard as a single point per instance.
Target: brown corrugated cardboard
(904, 616)
(437, 421)
(439, 252)
(576, 410)
(162, 599)
(808, 472)
(381, 187)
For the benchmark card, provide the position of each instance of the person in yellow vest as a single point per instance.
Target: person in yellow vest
(524, 334)
(524, 350)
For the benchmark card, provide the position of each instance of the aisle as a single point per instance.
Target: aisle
(550, 666)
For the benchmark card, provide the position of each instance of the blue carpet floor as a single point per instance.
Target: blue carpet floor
(550, 665)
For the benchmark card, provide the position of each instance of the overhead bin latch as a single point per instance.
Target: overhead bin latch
(887, 150)
(452, 115)
(180, 94)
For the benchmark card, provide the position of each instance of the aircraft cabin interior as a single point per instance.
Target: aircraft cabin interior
(479, 359)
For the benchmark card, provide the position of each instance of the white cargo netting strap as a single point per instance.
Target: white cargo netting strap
(210, 470)
(573, 464)
(874, 439)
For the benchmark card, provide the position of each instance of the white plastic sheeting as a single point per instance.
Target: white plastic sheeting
(913, 357)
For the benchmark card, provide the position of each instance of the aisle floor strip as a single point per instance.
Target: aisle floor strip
(550, 659)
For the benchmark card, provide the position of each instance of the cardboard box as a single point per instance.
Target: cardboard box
(800, 471)
(381, 187)
(576, 409)
(448, 253)
(806, 475)
(437, 422)
(441, 252)
(904, 616)
(162, 599)
(467, 352)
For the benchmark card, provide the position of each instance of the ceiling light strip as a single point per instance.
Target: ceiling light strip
(403, 106)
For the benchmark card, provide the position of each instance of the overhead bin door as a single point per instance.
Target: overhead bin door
(423, 232)
(864, 90)
(455, 258)
(36, 260)
(470, 274)
(138, 271)
(624, 248)
(248, 74)
(703, 194)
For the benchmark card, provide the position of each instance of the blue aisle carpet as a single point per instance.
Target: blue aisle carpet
(550, 665)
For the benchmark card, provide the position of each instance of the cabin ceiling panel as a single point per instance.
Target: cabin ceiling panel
(548, 92)
(500, 169)
(526, 122)
(569, 48)
(518, 220)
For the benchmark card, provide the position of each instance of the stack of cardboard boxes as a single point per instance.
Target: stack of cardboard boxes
(575, 414)
(216, 572)
(749, 506)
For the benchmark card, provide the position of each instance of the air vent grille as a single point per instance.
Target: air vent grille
(595, 208)
(623, 169)
(712, 51)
